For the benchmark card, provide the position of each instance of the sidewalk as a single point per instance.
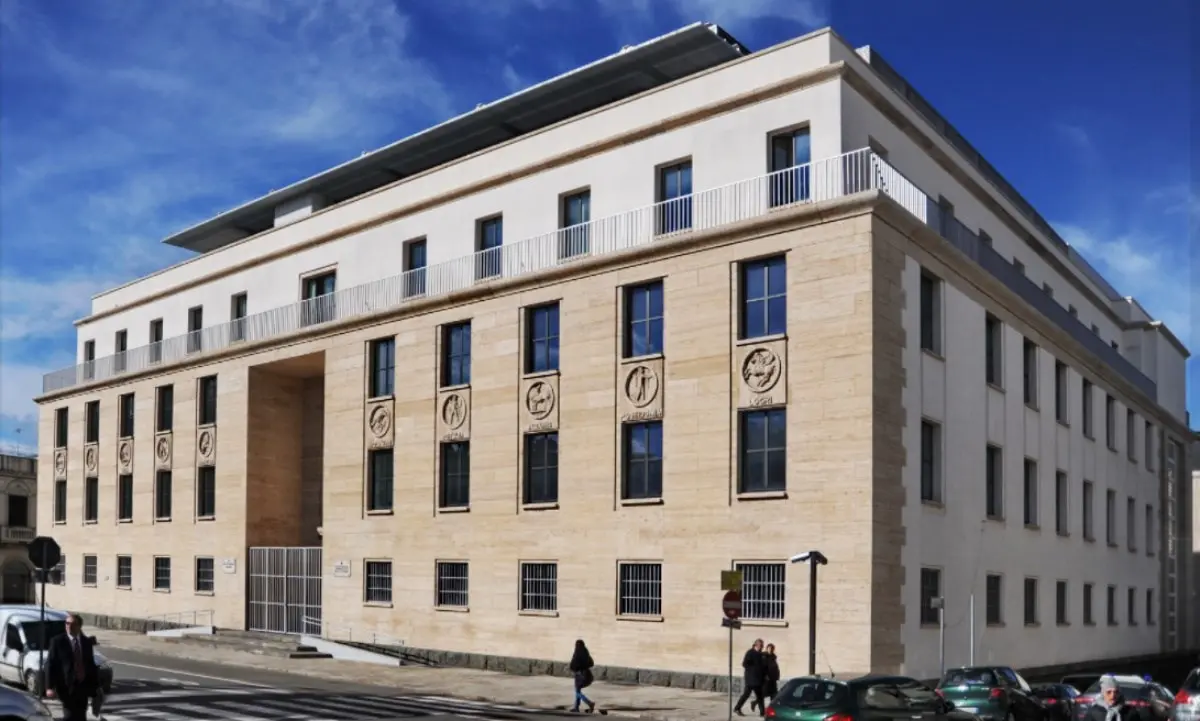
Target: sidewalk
(536, 692)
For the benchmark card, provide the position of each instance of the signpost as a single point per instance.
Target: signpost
(731, 607)
(45, 553)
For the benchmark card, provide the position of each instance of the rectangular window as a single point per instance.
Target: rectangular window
(995, 600)
(195, 329)
(1088, 416)
(162, 573)
(1031, 373)
(380, 472)
(452, 584)
(575, 213)
(89, 359)
(456, 475)
(931, 462)
(639, 591)
(643, 447)
(541, 348)
(1131, 606)
(125, 497)
(1149, 529)
(791, 154)
(1089, 532)
(993, 350)
(415, 262)
(674, 209)
(162, 496)
(1031, 602)
(931, 594)
(644, 316)
(206, 492)
(89, 570)
(383, 368)
(764, 591)
(456, 354)
(1131, 434)
(207, 402)
(238, 305)
(377, 582)
(61, 427)
(1060, 603)
(60, 501)
(18, 511)
(1110, 422)
(319, 299)
(124, 571)
(126, 409)
(1149, 607)
(205, 575)
(1060, 392)
(763, 443)
(994, 489)
(931, 312)
(1112, 606)
(1131, 523)
(1149, 442)
(156, 340)
(1062, 500)
(91, 422)
(120, 345)
(1089, 618)
(539, 587)
(1031, 493)
(91, 500)
(489, 242)
(164, 408)
(541, 468)
(1110, 517)
(763, 297)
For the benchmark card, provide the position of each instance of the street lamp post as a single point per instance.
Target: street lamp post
(813, 559)
(940, 604)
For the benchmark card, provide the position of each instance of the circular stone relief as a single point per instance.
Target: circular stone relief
(539, 399)
(60, 461)
(380, 421)
(162, 449)
(90, 460)
(641, 386)
(454, 411)
(125, 453)
(761, 370)
(205, 443)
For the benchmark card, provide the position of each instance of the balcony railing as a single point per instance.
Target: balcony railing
(820, 180)
(18, 465)
(16, 534)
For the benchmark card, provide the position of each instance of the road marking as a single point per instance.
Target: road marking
(160, 669)
(176, 681)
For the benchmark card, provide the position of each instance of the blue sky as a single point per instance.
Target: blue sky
(124, 120)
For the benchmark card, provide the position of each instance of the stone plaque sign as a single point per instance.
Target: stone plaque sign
(640, 390)
(91, 460)
(229, 565)
(380, 428)
(125, 456)
(454, 415)
(762, 374)
(206, 446)
(539, 404)
(60, 464)
(341, 569)
(162, 451)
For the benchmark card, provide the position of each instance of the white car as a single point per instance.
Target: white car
(19, 706)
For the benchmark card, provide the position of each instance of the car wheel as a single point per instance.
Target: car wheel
(33, 683)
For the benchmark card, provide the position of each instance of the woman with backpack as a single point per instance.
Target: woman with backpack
(581, 669)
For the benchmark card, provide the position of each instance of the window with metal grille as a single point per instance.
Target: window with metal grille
(125, 497)
(456, 354)
(995, 600)
(126, 407)
(91, 500)
(89, 570)
(541, 468)
(541, 345)
(931, 589)
(205, 576)
(453, 584)
(124, 571)
(639, 591)
(383, 368)
(60, 501)
(763, 465)
(381, 464)
(162, 496)
(162, 573)
(539, 586)
(1031, 602)
(1060, 603)
(377, 581)
(764, 591)
(206, 492)
(644, 319)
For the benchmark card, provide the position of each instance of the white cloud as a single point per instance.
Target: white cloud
(732, 14)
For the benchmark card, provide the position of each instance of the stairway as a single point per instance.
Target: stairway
(262, 644)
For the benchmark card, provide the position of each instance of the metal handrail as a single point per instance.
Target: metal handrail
(178, 617)
(331, 633)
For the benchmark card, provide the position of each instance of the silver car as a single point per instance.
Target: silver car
(1187, 701)
(17, 705)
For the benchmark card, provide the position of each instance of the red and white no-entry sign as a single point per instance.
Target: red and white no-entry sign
(731, 605)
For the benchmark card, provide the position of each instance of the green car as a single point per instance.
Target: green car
(995, 693)
(869, 698)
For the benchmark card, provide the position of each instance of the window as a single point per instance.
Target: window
(791, 154)
(489, 240)
(1110, 422)
(162, 573)
(456, 475)
(456, 354)
(639, 591)
(208, 401)
(452, 584)
(162, 496)
(18, 511)
(120, 345)
(1089, 533)
(541, 350)
(319, 300)
(539, 587)
(124, 571)
(1131, 606)
(1149, 607)
(414, 268)
(675, 197)
(205, 575)
(995, 600)
(377, 582)
(1031, 373)
(993, 350)
(1062, 511)
(383, 368)
(164, 408)
(931, 462)
(1031, 602)
(764, 591)
(60, 427)
(643, 446)
(91, 500)
(195, 329)
(1088, 416)
(541, 468)
(1088, 618)
(994, 489)
(1131, 523)
(156, 339)
(58, 574)
(1112, 606)
(91, 422)
(380, 471)
(125, 404)
(931, 592)
(206, 492)
(1149, 529)
(60, 501)
(238, 304)
(1131, 434)
(1060, 392)
(1149, 443)
(1031, 492)
(575, 212)
(763, 462)
(1110, 517)
(125, 497)
(763, 297)
(644, 316)
(931, 313)
(1060, 603)
(89, 359)
(89, 570)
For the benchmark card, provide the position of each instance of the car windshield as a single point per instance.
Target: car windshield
(969, 677)
(33, 633)
(897, 694)
(811, 693)
(1129, 691)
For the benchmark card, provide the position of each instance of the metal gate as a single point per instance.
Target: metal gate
(285, 590)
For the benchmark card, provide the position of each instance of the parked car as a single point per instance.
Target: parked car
(21, 656)
(996, 693)
(1187, 702)
(1153, 698)
(868, 698)
(1080, 681)
(1059, 700)
(19, 706)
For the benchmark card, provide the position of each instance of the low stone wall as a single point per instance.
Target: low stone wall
(125, 623)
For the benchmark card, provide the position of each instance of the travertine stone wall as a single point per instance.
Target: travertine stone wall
(275, 466)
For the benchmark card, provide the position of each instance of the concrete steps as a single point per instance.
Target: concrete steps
(262, 644)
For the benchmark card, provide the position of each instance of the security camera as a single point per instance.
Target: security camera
(814, 556)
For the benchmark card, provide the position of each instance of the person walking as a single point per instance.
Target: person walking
(771, 674)
(71, 674)
(581, 669)
(1110, 705)
(754, 674)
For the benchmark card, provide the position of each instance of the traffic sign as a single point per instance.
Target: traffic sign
(731, 604)
(45, 553)
(731, 580)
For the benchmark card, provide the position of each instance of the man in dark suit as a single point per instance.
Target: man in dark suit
(71, 674)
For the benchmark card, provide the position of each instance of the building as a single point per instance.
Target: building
(544, 371)
(18, 509)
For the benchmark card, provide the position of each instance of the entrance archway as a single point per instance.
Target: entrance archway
(16, 582)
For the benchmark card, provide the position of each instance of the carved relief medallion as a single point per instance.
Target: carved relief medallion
(162, 452)
(206, 446)
(640, 391)
(379, 425)
(641, 385)
(91, 461)
(60, 464)
(454, 415)
(761, 370)
(454, 411)
(539, 404)
(539, 399)
(125, 455)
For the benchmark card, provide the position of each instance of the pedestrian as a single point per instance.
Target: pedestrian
(771, 675)
(1110, 704)
(754, 674)
(70, 669)
(581, 669)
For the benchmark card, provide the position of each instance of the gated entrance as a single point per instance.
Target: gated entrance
(285, 590)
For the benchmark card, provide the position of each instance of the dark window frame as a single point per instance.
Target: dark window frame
(162, 573)
(91, 422)
(790, 166)
(164, 408)
(993, 351)
(91, 500)
(994, 483)
(489, 247)
(60, 501)
(1031, 377)
(416, 262)
(454, 483)
(195, 329)
(448, 575)
(239, 305)
(544, 340)
(126, 415)
(1031, 605)
(381, 363)
(163, 503)
(1030, 482)
(766, 482)
(931, 461)
(994, 599)
(930, 588)
(207, 392)
(762, 315)
(62, 427)
(381, 480)
(674, 197)
(205, 575)
(456, 366)
(574, 223)
(643, 320)
(206, 493)
(125, 493)
(931, 312)
(124, 575)
(540, 477)
(642, 474)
